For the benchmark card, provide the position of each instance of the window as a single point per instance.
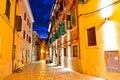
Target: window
(72, 18)
(23, 34)
(29, 25)
(64, 3)
(81, 1)
(64, 51)
(29, 39)
(68, 22)
(75, 54)
(57, 15)
(18, 23)
(25, 16)
(27, 21)
(7, 11)
(91, 36)
(61, 6)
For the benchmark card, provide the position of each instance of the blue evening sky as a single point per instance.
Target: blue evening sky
(41, 10)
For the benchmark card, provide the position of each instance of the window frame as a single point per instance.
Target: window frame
(91, 36)
(75, 51)
(7, 10)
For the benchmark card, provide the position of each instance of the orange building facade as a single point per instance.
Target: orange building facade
(63, 37)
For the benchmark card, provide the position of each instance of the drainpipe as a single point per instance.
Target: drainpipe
(79, 56)
(13, 46)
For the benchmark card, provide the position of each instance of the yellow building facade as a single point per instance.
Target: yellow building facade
(7, 13)
(99, 37)
(12, 41)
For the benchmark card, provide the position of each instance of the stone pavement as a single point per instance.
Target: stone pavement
(41, 71)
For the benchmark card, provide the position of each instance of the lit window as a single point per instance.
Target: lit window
(75, 54)
(91, 36)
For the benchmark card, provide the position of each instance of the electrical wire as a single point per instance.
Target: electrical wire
(100, 9)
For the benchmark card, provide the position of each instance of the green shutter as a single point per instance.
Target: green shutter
(72, 18)
(81, 1)
(49, 43)
(62, 28)
(53, 37)
(57, 35)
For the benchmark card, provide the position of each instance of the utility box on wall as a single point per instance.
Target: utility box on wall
(112, 61)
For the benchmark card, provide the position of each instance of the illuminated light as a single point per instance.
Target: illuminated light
(47, 52)
(99, 79)
(42, 61)
(49, 27)
(107, 11)
(42, 51)
(67, 69)
(68, 36)
(109, 36)
(62, 39)
(68, 43)
(69, 56)
(69, 64)
(58, 67)
(62, 57)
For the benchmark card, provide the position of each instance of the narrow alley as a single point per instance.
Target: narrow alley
(42, 71)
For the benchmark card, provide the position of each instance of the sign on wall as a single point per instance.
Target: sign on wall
(112, 61)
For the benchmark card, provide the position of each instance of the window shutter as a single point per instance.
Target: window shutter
(53, 37)
(61, 6)
(91, 36)
(7, 11)
(18, 23)
(49, 43)
(68, 17)
(57, 15)
(72, 19)
(81, 1)
(62, 28)
(57, 34)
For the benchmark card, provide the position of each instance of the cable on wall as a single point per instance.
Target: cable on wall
(114, 3)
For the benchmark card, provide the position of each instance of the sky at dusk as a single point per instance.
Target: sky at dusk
(41, 10)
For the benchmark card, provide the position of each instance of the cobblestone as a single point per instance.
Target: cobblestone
(42, 71)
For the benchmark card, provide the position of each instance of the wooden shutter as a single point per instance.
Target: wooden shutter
(18, 23)
(7, 11)
(91, 36)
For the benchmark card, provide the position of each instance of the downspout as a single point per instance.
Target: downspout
(13, 45)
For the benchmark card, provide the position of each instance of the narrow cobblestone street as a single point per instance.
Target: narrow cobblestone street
(42, 71)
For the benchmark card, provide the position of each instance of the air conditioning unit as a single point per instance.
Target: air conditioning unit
(82, 1)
